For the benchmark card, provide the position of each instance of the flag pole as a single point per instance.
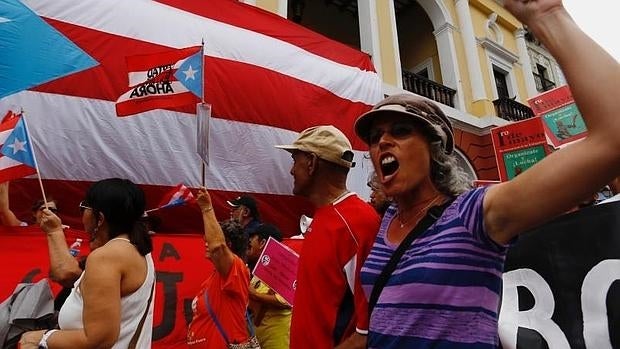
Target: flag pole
(203, 172)
(202, 71)
(34, 158)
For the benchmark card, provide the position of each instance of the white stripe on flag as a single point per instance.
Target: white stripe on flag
(177, 87)
(6, 162)
(139, 148)
(4, 135)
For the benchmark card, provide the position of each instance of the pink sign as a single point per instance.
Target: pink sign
(277, 268)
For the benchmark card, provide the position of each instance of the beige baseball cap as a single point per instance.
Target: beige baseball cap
(327, 142)
(410, 106)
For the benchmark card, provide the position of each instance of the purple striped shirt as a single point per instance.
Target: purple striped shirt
(445, 291)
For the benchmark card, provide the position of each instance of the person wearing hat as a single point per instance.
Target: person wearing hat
(378, 199)
(271, 313)
(245, 211)
(329, 302)
(444, 289)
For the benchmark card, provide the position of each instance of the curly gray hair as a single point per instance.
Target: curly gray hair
(446, 175)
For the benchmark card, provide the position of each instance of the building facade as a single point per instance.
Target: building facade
(470, 56)
(546, 71)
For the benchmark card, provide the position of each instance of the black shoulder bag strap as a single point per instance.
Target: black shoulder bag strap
(431, 217)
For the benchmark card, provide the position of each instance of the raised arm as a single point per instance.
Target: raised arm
(64, 268)
(570, 175)
(219, 253)
(7, 217)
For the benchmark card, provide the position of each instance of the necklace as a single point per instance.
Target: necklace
(417, 215)
(344, 193)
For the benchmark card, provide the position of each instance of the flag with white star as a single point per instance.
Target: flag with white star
(160, 80)
(17, 145)
(189, 73)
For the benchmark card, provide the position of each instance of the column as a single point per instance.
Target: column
(444, 36)
(369, 31)
(283, 8)
(471, 50)
(398, 68)
(526, 64)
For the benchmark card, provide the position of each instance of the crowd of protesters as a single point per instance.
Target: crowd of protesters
(419, 266)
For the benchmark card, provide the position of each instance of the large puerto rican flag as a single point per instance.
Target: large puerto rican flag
(266, 78)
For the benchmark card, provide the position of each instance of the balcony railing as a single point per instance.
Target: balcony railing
(422, 86)
(511, 110)
(543, 84)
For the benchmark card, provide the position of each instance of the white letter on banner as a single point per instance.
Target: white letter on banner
(594, 290)
(538, 318)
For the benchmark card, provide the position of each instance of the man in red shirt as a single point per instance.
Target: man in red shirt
(330, 309)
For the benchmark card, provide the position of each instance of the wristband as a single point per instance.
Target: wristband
(46, 336)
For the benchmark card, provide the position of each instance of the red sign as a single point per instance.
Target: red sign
(180, 266)
(277, 268)
(518, 146)
(561, 118)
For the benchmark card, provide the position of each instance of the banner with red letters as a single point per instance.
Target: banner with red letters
(180, 264)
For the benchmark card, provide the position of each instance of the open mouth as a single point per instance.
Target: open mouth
(389, 165)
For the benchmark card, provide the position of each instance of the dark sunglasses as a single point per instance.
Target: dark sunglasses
(53, 209)
(84, 206)
(399, 129)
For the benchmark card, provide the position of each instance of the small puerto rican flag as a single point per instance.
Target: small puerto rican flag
(179, 195)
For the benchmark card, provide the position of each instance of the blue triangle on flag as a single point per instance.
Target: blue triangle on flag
(33, 52)
(17, 145)
(190, 73)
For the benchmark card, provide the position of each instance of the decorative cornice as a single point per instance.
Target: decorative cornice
(493, 29)
(520, 33)
(444, 27)
(498, 50)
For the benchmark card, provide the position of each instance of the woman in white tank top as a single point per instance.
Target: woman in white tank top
(111, 304)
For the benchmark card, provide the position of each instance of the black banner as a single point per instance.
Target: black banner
(562, 283)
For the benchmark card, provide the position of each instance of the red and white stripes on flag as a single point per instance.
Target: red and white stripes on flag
(10, 115)
(266, 78)
(179, 195)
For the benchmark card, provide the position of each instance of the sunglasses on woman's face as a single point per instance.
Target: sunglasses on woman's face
(399, 129)
(53, 209)
(84, 206)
